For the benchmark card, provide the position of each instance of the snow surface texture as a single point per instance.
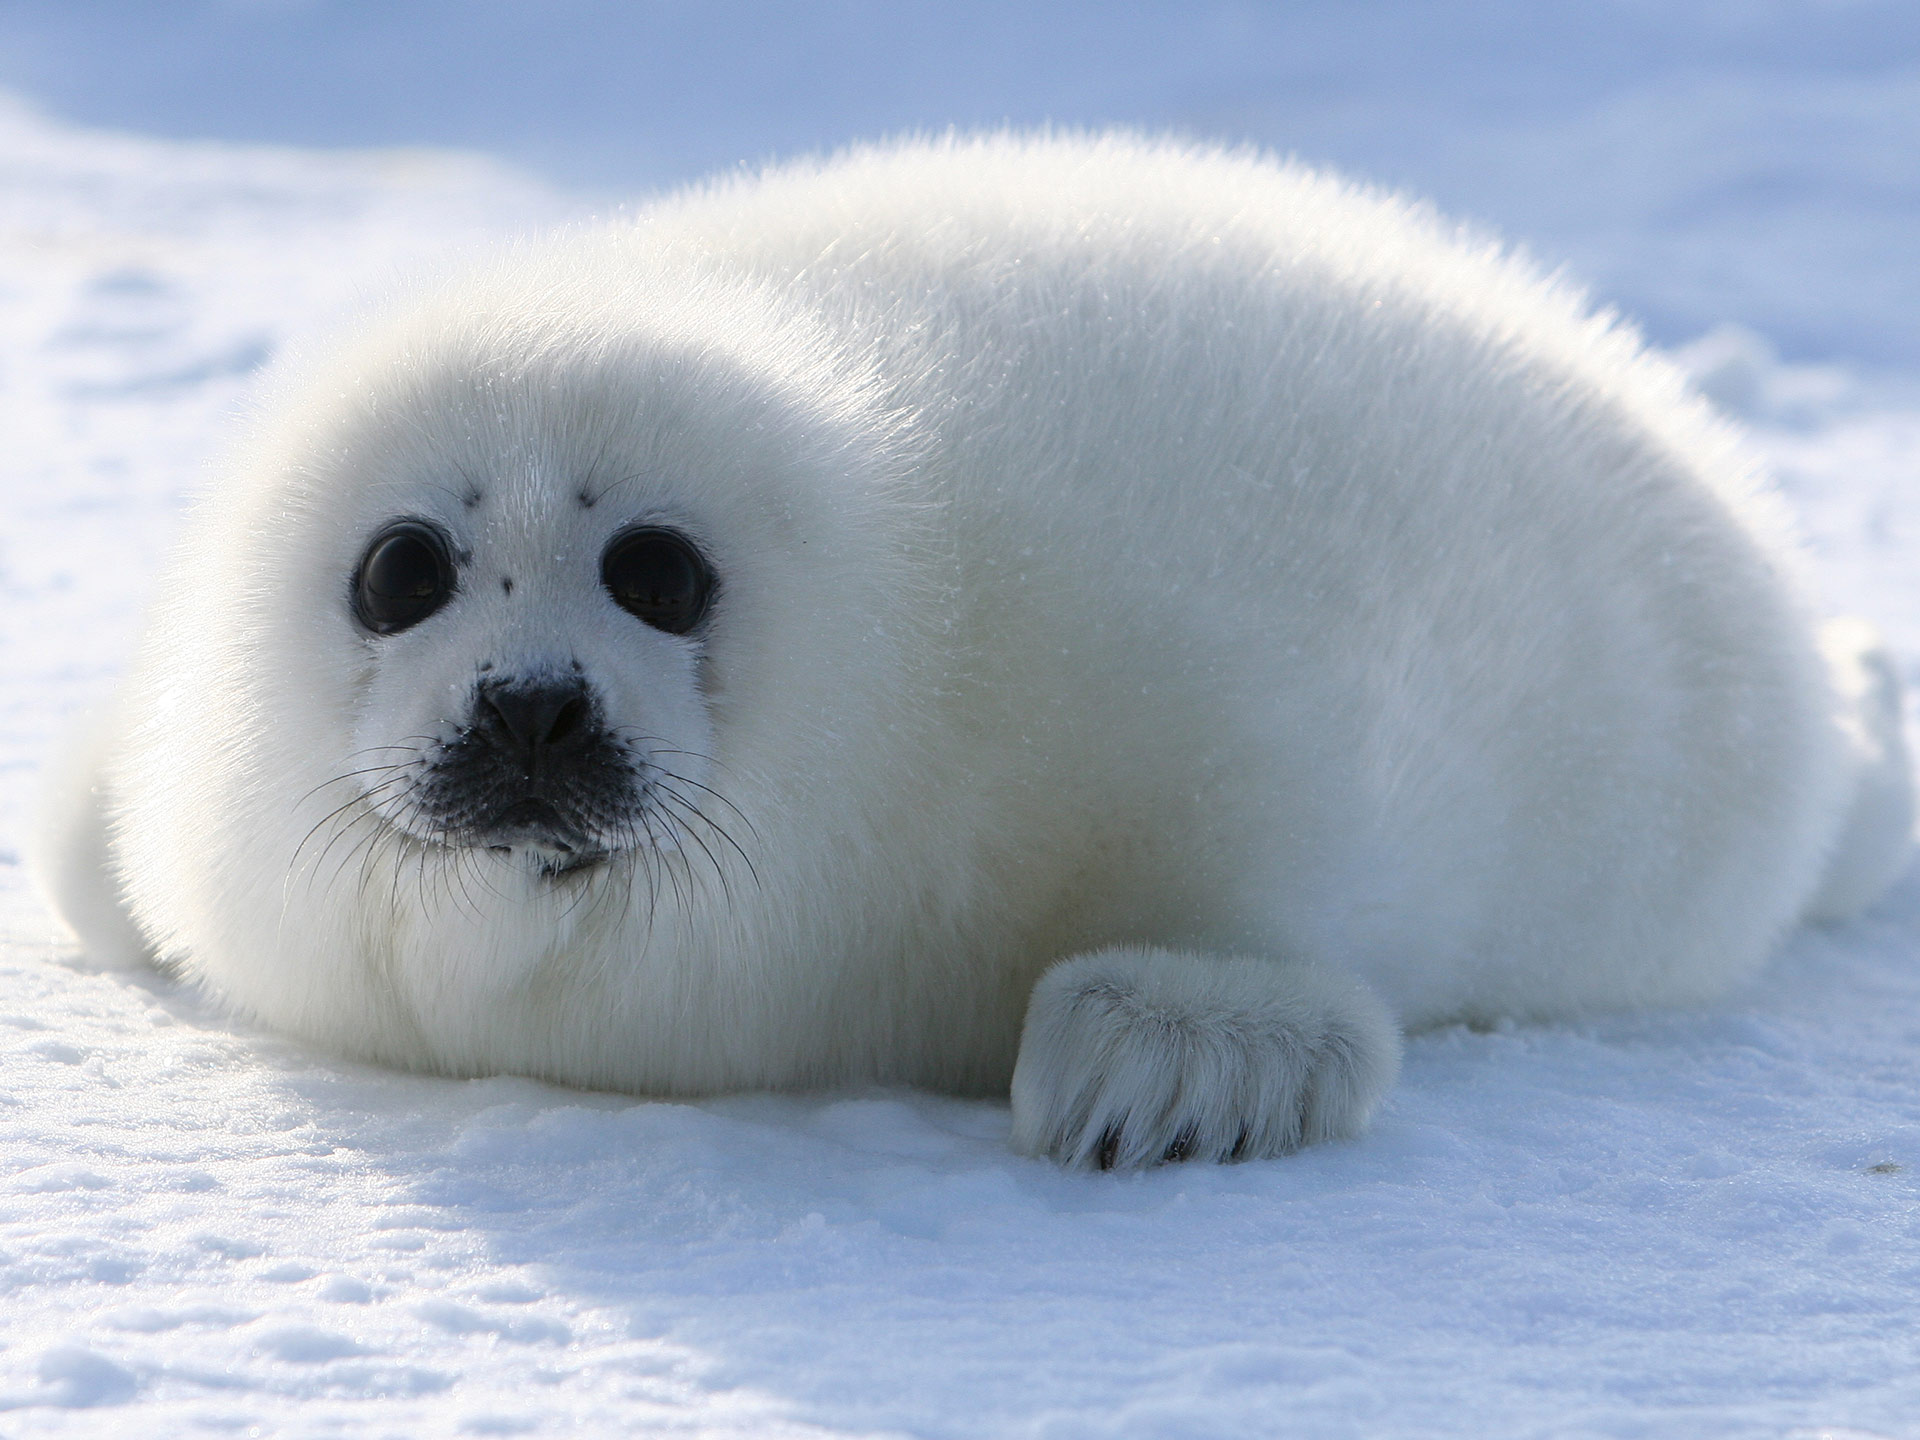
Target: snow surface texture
(1691, 1224)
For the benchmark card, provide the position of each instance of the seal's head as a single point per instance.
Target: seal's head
(547, 603)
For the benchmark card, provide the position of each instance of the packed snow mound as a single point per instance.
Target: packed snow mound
(1694, 1223)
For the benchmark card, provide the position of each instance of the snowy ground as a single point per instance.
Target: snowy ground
(1699, 1224)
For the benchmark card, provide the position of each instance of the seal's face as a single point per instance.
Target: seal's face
(544, 759)
(555, 635)
(547, 578)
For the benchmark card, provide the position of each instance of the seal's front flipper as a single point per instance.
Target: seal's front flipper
(1132, 1056)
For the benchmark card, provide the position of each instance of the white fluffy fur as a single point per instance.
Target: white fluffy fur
(1291, 608)
(1130, 1056)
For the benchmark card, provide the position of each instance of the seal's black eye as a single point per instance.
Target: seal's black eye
(657, 576)
(406, 575)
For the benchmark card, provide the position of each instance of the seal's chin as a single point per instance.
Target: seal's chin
(556, 863)
(535, 833)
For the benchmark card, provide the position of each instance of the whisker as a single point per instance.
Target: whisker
(658, 745)
(412, 744)
(709, 790)
(348, 775)
(687, 831)
(642, 857)
(341, 832)
(462, 871)
(358, 799)
(360, 849)
(668, 792)
(665, 862)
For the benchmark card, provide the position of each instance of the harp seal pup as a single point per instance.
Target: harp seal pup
(1128, 624)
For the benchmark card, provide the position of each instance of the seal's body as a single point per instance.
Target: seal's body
(1186, 602)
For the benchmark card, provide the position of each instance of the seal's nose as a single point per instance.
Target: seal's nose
(530, 720)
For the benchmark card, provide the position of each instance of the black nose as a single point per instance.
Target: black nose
(532, 720)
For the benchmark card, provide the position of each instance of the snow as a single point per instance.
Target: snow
(1703, 1223)
(1744, 160)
